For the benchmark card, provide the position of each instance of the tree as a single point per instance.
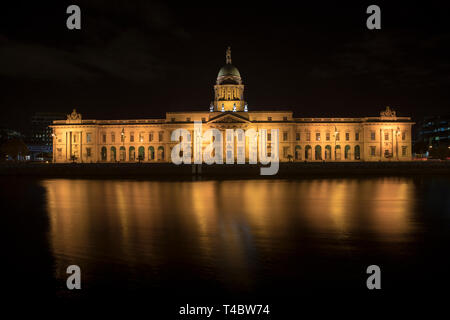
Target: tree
(14, 148)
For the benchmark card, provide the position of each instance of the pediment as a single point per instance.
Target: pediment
(229, 118)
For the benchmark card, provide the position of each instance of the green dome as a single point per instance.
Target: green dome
(229, 70)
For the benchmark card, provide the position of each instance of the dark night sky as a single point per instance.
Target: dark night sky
(142, 59)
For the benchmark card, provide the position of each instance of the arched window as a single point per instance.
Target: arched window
(347, 152)
(337, 153)
(298, 153)
(131, 154)
(113, 154)
(103, 153)
(357, 152)
(308, 152)
(141, 153)
(151, 153)
(328, 152)
(160, 153)
(318, 152)
(123, 154)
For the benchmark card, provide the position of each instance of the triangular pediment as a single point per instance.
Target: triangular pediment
(229, 118)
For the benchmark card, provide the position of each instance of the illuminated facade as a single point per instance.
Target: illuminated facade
(383, 138)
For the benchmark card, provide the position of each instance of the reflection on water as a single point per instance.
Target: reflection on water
(236, 235)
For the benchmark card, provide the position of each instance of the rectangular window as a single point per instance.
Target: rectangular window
(347, 136)
(88, 137)
(104, 137)
(372, 151)
(88, 152)
(160, 136)
(269, 118)
(404, 148)
(150, 137)
(203, 119)
(308, 136)
(285, 136)
(59, 152)
(297, 136)
(188, 119)
(372, 135)
(75, 138)
(113, 137)
(327, 136)
(284, 118)
(317, 136)
(173, 119)
(356, 136)
(240, 135)
(386, 136)
(269, 137)
(285, 151)
(404, 135)
(131, 136)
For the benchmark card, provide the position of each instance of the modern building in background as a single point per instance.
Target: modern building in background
(39, 141)
(433, 136)
(386, 137)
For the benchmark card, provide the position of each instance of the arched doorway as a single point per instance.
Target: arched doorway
(357, 152)
(151, 153)
(318, 153)
(131, 154)
(103, 154)
(298, 153)
(347, 152)
(122, 154)
(141, 153)
(160, 153)
(328, 152)
(308, 152)
(113, 154)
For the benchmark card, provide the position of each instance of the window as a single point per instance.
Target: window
(269, 137)
(347, 136)
(338, 136)
(386, 136)
(285, 151)
(240, 135)
(75, 138)
(150, 137)
(203, 119)
(59, 151)
(356, 136)
(297, 136)
(88, 137)
(317, 136)
(113, 137)
(404, 135)
(404, 148)
(88, 152)
(284, 118)
(308, 136)
(160, 136)
(188, 119)
(285, 136)
(327, 136)
(372, 135)
(173, 119)
(372, 151)
(269, 118)
(131, 136)
(104, 137)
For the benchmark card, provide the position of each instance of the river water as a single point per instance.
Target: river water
(233, 240)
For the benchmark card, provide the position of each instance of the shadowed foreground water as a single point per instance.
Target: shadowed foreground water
(249, 240)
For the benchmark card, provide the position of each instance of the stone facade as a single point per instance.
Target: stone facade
(383, 138)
